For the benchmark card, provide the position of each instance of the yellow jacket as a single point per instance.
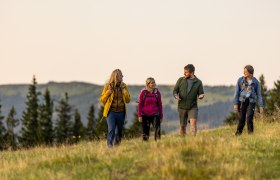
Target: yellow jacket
(107, 98)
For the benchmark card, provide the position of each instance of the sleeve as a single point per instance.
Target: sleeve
(176, 88)
(140, 104)
(201, 89)
(126, 94)
(259, 95)
(160, 105)
(236, 93)
(104, 95)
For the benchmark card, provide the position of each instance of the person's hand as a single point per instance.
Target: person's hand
(235, 107)
(177, 97)
(160, 120)
(201, 96)
(261, 110)
(140, 119)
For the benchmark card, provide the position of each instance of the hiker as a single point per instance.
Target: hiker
(150, 109)
(114, 96)
(186, 91)
(246, 92)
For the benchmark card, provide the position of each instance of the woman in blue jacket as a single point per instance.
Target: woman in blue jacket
(247, 92)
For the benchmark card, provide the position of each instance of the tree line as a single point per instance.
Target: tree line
(271, 100)
(43, 124)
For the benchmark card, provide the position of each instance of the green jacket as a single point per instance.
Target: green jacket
(188, 99)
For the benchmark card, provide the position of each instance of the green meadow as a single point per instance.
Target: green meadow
(212, 154)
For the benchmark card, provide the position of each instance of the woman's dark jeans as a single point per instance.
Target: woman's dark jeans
(246, 111)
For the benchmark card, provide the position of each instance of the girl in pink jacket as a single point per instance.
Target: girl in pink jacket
(150, 109)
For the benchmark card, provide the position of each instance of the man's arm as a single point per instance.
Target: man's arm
(201, 92)
(176, 90)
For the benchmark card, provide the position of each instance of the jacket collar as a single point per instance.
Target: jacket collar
(254, 80)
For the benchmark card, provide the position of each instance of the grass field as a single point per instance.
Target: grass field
(213, 154)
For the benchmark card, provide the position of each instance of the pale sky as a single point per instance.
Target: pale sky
(85, 40)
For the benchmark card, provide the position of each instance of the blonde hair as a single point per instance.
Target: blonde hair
(114, 77)
(148, 81)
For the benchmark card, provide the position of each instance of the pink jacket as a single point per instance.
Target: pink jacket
(150, 105)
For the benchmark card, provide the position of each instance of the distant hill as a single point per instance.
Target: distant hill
(213, 109)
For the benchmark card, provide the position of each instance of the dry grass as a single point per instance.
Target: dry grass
(214, 154)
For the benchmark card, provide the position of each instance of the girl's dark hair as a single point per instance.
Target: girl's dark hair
(190, 68)
(250, 69)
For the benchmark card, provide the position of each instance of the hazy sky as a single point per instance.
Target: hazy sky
(71, 40)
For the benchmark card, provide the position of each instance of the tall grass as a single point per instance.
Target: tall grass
(213, 154)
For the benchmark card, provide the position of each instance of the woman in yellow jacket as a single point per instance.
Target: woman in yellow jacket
(114, 96)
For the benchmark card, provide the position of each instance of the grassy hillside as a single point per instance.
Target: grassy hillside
(215, 154)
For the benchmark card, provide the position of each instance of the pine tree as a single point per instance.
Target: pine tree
(63, 124)
(273, 102)
(102, 127)
(91, 126)
(78, 128)
(11, 124)
(135, 130)
(264, 92)
(45, 119)
(30, 126)
(2, 130)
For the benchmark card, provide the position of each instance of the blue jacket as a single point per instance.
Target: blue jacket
(252, 93)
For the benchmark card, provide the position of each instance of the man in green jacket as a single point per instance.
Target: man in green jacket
(186, 91)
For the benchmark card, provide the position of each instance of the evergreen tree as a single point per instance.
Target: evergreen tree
(30, 126)
(2, 130)
(273, 103)
(11, 124)
(135, 130)
(63, 123)
(78, 128)
(91, 126)
(45, 119)
(102, 127)
(264, 92)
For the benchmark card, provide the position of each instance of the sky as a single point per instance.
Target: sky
(70, 40)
